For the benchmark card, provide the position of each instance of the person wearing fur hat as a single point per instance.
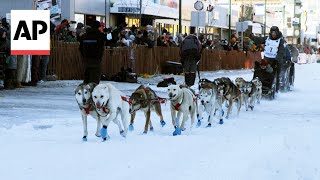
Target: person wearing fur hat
(274, 51)
(92, 47)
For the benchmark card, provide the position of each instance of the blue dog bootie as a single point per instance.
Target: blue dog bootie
(84, 139)
(131, 128)
(221, 121)
(104, 133)
(162, 123)
(176, 132)
(199, 123)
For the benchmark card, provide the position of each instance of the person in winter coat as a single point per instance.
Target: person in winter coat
(92, 47)
(190, 50)
(274, 50)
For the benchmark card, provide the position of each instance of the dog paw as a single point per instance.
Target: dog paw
(221, 121)
(131, 128)
(98, 135)
(209, 125)
(183, 129)
(84, 139)
(106, 138)
(162, 123)
(122, 133)
(176, 132)
(151, 128)
(198, 123)
(145, 132)
(251, 107)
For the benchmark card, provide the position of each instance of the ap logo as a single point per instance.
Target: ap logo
(30, 32)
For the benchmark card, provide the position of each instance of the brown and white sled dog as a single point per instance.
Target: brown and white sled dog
(182, 101)
(109, 102)
(85, 103)
(249, 94)
(258, 85)
(227, 90)
(146, 100)
(239, 82)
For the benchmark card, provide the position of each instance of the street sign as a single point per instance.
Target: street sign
(242, 26)
(198, 18)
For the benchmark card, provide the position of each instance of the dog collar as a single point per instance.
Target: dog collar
(177, 106)
(87, 109)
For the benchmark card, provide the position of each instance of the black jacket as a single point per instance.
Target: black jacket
(92, 44)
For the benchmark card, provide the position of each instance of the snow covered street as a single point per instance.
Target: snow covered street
(41, 131)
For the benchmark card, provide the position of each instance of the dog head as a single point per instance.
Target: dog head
(83, 93)
(100, 96)
(247, 87)
(205, 96)
(222, 85)
(174, 91)
(239, 82)
(207, 84)
(136, 100)
(257, 82)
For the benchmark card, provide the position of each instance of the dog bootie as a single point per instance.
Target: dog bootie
(122, 133)
(177, 131)
(162, 123)
(84, 139)
(131, 128)
(221, 121)
(104, 133)
(198, 123)
(209, 125)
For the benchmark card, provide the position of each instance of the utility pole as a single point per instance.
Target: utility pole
(265, 17)
(105, 13)
(35, 4)
(180, 17)
(229, 20)
(140, 13)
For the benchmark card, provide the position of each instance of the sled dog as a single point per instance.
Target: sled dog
(227, 90)
(182, 101)
(146, 100)
(207, 98)
(85, 103)
(109, 100)
(249, 95)
(258, 85)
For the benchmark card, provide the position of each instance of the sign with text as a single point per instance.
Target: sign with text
(30, 32)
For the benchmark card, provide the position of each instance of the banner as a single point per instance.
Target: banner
(53, 5)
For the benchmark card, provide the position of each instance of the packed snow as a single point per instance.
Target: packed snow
(41, 137)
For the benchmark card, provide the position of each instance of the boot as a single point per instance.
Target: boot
(190, 78)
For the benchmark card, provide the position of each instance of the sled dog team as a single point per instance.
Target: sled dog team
(104, 103)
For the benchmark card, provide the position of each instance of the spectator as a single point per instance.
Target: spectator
(92, 48)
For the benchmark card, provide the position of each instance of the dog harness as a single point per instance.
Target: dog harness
(177, 106)
(87, 109)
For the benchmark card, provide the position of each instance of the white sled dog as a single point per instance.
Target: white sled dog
(207, 98)
(109, 100)
(182, 100)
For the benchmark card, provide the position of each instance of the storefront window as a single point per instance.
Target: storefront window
(79, 18)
